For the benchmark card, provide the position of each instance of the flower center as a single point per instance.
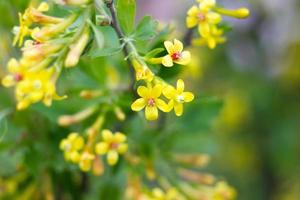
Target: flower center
(201, 17)
(18, 77)
(176, 56)
(114, 145)
(180, 99)
(151, 102)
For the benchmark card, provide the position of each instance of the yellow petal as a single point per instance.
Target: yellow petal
(169, 46)
(101, 148)
(43, 7)
(169, 92)
(122, 148)
(180, 85)
(119, 137)
(203, 29)
(167, 61)
(191, 22)
(112, 157)
(138, 105)
(188, 96)
(193, 11)
(178, 46)
(162, 105)
(178, 108)
(78, 143)
(143, 91)
(8, 81)
(74, 156)
(185, 58)
(151, 113)
(213, 18)
(211, 42)
(107, 135)
(156, 91)
(13, 66)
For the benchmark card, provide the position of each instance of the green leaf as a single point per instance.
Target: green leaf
(146, 29)
(154, 52)
(126, 15)
(98, 35)
(105, 52)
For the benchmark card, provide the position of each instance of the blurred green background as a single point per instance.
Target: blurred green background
(246, 116)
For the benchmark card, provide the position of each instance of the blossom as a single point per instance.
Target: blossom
(177, 96)
(16, 75)
(203, 16)
(142, 71)
(175, 54)
(86, 160)
(71, 147)
(112, 145)
(215, 37)
(170, 194)
(150, 101)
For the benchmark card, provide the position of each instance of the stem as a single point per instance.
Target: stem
(128, 46)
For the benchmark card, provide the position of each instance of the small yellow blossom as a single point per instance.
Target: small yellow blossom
(16, 75)
(112, 145)
(86, 161)
(170, 194)
(215, 37)
(150, 99)
(203, 16)
(178, 97)
(71, 147)
(175, 54)
(142, 71)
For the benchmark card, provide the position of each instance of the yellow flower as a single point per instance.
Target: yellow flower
(150, 99)
(35, 87)
(170, 194)
(16, 75)
(178, 97)
(215, 37)
(112, 145)
(142, 71)
(86, 161)
(203, 16)
(175, 54)
(71, 147)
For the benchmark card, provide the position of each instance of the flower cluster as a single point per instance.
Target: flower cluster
(151, 95)
(208, 16)
(47, 48)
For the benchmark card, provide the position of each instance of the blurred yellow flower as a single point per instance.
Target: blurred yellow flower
(150, 99)
(215, 37)
(86, 161)
(175, 54)
(203, 16)
(71, 147)
(178, 97)
(112, 145)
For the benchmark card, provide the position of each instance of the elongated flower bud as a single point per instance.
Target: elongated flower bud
(240, 13)
(77, 48)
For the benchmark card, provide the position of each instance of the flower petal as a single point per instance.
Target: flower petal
(119, 137)
(180, 86)
(138, 105)
(193, 11)
(188, 96)
(169, 47)
(184, 59)
(112, 157)
(178, 46)
(122, 148)
(167, 61)
(203, 29)
(162, 105)
(143, 91)
(169, 92)
(101, 148)
(191, 22)
(213, 18)
(178, 108)
(151, 113)
(156, 91)
(107, 135)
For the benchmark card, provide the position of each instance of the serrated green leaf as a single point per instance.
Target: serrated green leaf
(126, 14)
